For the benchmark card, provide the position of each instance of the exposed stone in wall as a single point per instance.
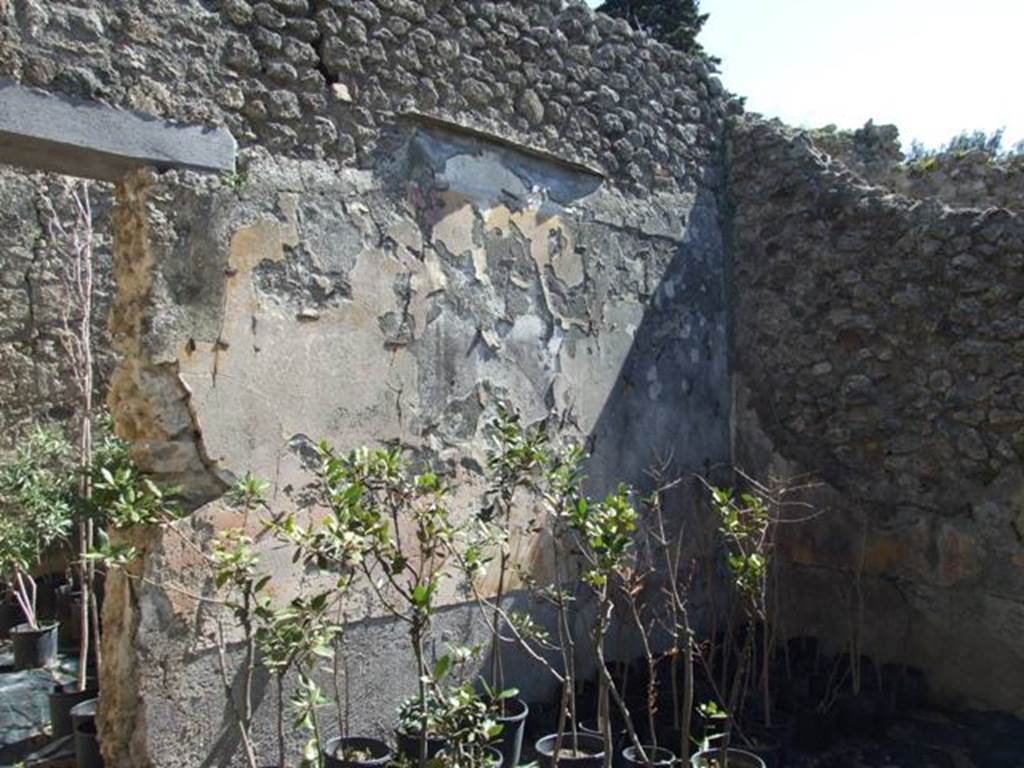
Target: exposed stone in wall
(36, 383)
(880, 345)
(318, 78)
(972, 179)
(150, 403)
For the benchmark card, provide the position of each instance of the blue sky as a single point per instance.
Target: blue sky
(932, 67)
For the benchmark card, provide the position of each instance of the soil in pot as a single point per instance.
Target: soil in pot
(586, 751)
(87, 745)
(657, 757)
(34, 648)
(62, 699)
(356, 752)
(513, 725)
(737, 758)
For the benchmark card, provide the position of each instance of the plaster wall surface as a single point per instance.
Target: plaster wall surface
(437, 205)
(399, 305)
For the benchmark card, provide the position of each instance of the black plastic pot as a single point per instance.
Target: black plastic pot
(771, 751)
(793, 692)
(62, 699)
(737, 758)
(10, 617)
(657, 757)
(87, 745)
(813, 731)
(856, 715)
(803, 653)
(620, 736)
(513, 725)
(591, 746)
(379, 753)
(409, 744)
(69, 614)
(772, 743)
(34, 648)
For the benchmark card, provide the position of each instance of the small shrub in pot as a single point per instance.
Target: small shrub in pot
(36, 491)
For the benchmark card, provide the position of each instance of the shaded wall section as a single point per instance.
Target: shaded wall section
(880, 347)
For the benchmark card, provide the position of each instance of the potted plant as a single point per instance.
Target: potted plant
(603, 536)
(469, 724)
(515, 462)
(334, 545)
(664, 553)
(748, 522)
(715, 750)
(36, 488)
(400, 526)
(562, 491)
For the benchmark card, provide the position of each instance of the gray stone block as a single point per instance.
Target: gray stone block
(49, 132)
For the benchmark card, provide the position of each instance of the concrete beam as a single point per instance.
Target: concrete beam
(48, 132)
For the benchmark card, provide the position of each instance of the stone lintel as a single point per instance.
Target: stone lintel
(50, 132)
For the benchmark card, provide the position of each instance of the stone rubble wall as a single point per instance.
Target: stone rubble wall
(36, 384)
(319, 78)
(880, 347)
(444, 202)
(962, 179)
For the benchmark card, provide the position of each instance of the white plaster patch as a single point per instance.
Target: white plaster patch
(527, 329)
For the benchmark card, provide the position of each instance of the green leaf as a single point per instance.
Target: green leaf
(442, 666)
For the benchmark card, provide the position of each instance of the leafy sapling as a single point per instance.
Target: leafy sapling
(603, 533)
(747, 527)
(401, 523)
(514, 462)
(36, 498)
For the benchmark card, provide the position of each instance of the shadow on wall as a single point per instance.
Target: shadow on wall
(670, 403)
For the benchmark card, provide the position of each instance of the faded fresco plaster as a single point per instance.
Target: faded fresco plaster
(398, 305)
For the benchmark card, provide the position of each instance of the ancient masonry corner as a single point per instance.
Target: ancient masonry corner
(150, 406)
